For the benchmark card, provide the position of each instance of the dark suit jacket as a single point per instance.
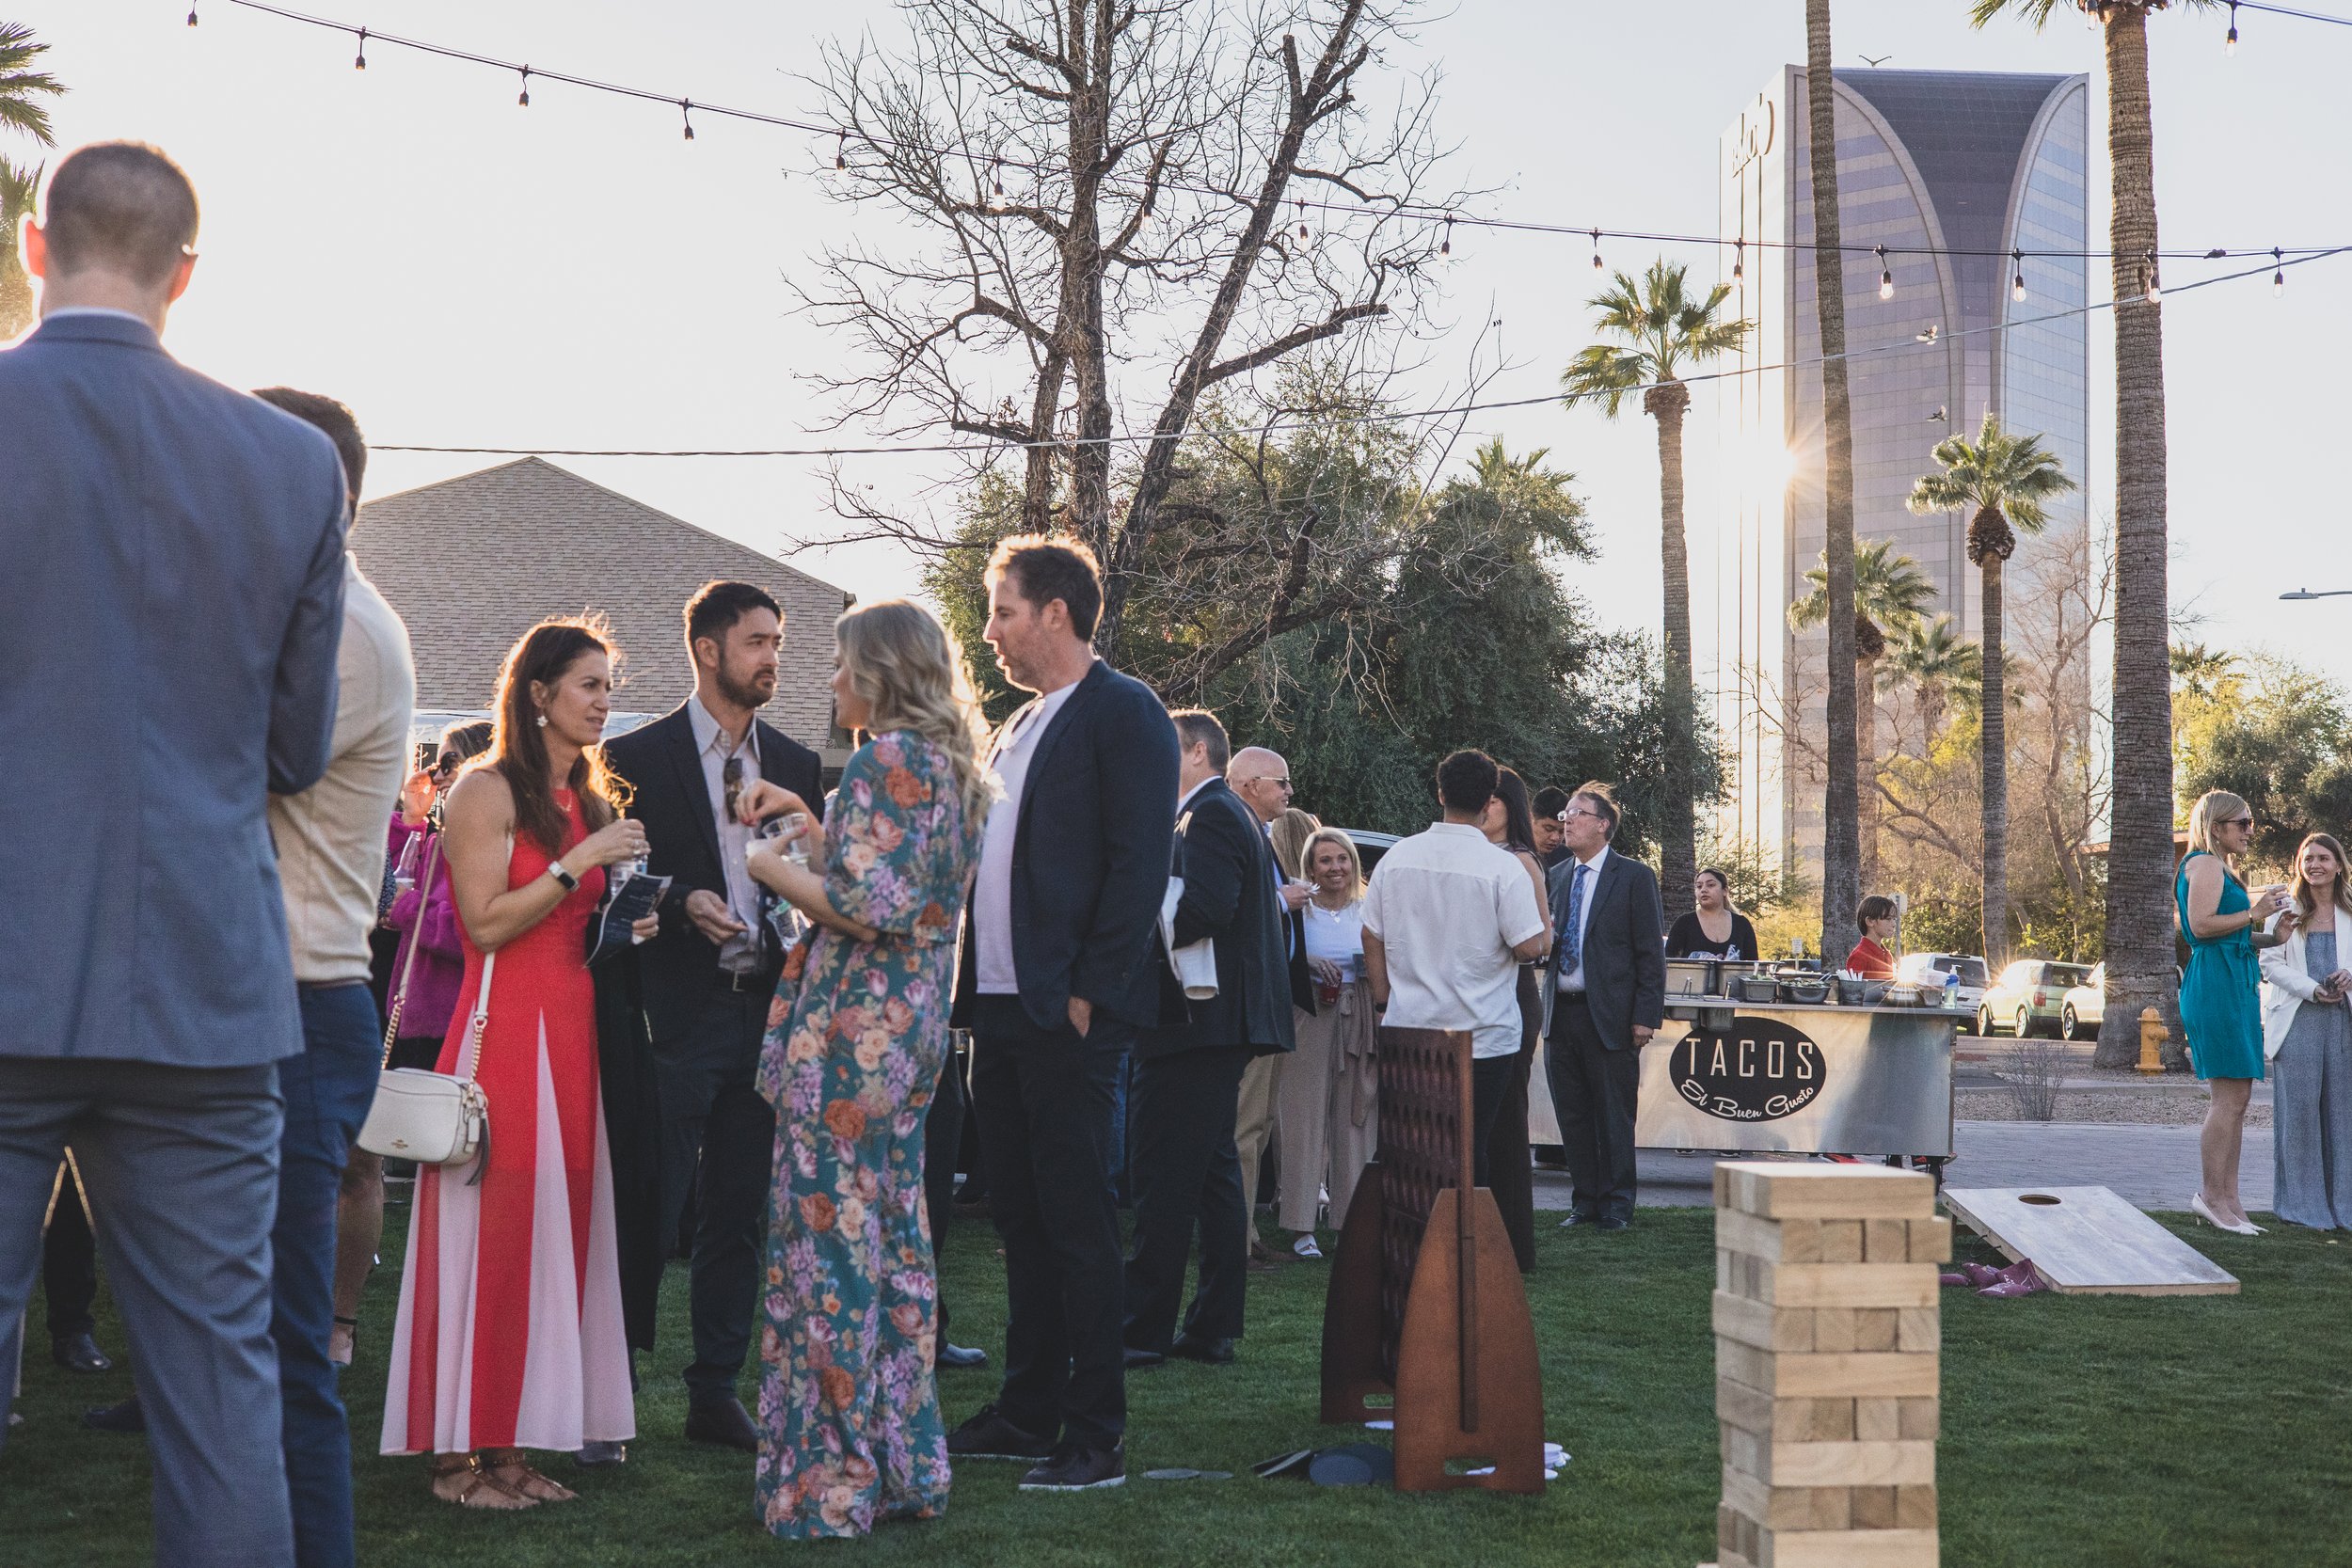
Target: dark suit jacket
(1625, 948)
(1229, 896)
(171, 600)
(1090, 854)
(672, 800)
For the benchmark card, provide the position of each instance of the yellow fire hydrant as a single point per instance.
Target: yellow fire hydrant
(2151, 1040)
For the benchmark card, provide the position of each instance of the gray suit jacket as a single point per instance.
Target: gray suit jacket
(172, 590)
(1625, 948)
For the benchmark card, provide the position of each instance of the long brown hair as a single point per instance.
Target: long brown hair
(911, 674)
(1288, 833)
(520, 751)
(2303, 899)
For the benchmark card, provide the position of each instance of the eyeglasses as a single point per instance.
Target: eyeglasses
(2242, 822)
(1579, 811)
(1282, 785)
(447, 763)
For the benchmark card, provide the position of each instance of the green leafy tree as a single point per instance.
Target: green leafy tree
(1930, 658)
(2007, 480)
(2274, 732)
(1653, 329)
(23, 110)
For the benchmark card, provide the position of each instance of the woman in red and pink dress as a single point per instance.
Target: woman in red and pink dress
(510, 1337)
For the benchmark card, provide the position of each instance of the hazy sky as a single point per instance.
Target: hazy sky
(464, 271)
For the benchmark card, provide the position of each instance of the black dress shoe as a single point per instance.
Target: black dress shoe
(1612, 1223)
(1139, 1359)
(79, 1353)
(989, 1435)
(126, 1417)
(1195, 1346)
(725, 1422)
(601, 1455)
(1076, 1467)
(962, 1355)
(1575, 1220)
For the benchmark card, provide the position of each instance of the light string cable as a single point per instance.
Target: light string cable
(689, 106)
(1400, 417)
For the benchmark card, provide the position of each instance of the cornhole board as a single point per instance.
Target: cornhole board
(2087, 1241)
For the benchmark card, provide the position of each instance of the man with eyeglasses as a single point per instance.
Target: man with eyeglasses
(1263, 780)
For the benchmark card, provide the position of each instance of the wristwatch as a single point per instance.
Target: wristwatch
(555, 869)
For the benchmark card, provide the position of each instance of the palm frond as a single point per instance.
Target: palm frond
(1603, 375)
(21, 86)
(1658, 328)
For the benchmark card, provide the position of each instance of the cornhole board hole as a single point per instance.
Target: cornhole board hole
(2086, 1241)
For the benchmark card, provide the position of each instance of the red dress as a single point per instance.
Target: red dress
(510, 1333)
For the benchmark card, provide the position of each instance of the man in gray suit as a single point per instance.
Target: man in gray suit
(169, 617)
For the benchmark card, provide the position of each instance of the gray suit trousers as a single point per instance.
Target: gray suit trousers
(182, 1168)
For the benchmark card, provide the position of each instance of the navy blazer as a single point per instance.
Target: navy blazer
(171, 600)
(671, 796)
(1090, 853)
(1227, 867)
(1625, 948)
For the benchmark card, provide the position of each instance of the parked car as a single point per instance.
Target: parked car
(2029, 995)
(1370, 846)
(1928, 969)
(2085, 1007)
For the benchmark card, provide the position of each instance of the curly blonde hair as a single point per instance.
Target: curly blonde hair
(909, 671)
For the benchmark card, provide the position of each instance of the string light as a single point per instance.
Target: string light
(1739, 255)
(2278, 279)
(2228, 45)
(1302, 220)
(2017, 284)
(2156, 286)
(1445, 247)
(686, 114)
(999, 172)
(361, 63)
(1596, 250)
(191, 16)
(841, 152)
(524, 99)
(1886, 275)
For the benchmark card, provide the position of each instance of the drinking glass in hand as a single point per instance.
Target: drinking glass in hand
(792, 826)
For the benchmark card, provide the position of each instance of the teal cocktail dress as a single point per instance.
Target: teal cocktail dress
(2220, 995)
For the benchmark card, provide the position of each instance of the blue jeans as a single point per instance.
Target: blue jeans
(327, 1091)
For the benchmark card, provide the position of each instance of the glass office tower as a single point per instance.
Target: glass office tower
(1952, 172)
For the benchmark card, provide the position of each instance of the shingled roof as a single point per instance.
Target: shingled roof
(472, 561)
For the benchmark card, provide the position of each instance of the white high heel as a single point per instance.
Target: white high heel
(2197, 1207)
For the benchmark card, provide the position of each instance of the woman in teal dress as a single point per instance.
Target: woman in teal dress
(850, 1432)
(2220, 1000)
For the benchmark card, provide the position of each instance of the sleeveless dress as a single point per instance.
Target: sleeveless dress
(849, 1426)
(510, 1333)
(2221, 994)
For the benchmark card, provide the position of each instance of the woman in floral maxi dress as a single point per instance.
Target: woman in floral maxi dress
(850, 1432)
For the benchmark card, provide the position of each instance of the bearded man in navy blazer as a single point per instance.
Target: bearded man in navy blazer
(1059, 972)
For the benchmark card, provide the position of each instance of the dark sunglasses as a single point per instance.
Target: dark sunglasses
(731, 777)
(2242, 822)
(446, 762)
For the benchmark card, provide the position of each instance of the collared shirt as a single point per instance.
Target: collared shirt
(714, 746)
(992, 891)
(331, 837)
(1573, 980)
(64, 310)
(1185, 804)
(1448, 907)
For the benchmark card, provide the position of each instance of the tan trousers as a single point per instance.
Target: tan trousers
(1328, 1108)
(1253, 1128)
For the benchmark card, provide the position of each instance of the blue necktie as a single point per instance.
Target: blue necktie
(1572, 939)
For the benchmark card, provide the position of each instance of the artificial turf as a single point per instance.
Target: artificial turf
(2077, 1431)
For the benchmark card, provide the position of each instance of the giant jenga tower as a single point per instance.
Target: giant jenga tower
(1826, 1340)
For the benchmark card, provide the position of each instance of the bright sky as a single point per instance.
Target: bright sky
(467, 272)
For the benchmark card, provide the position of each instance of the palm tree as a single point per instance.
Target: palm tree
(2006, 480)
(1890, 592)
(1933, 660)
(2138, 944)
(1841, 804)
(21, 89)
(1656, 327)
(18, 188)
(2206, 673)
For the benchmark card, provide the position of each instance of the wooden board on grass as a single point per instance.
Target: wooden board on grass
(2086, 1241)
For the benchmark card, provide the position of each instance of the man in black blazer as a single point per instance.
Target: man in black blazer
(707, 981)
(1058, 971)
(1606, 992)
(1189, 1067)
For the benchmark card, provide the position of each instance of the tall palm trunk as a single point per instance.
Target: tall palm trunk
(1870, 647)
(2139, 865)
(1841, 848)
(1994, 752)
(1677, 830)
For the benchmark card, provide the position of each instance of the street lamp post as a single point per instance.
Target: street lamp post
(2323, 593)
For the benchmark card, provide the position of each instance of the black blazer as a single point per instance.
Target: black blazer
(1228, 868)
(672, 800)
(1624, 953)
(1090, 853)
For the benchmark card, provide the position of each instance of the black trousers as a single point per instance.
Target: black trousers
(1491, 1087)
(1044, 1103)
(1593, 1090)
(69, 1264)
(1510, 1173)
(943, 1133)
(718, 1137)
(1186, 1175)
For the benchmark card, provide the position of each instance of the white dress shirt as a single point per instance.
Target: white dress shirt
(1448, 907)
(738, 954)
(992, 891)
(1573, 980)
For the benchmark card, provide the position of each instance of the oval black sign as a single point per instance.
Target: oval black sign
(1758, 1069)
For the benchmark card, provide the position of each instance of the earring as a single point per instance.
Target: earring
(543, 721)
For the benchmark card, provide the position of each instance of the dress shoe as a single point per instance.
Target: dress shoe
(725, 1422)
(989, 1435)
(1076, 1467)
(599, 1456)
(2204, 1211)
(1610, 1222)
(1139, 1359)
(79, 1353)
(961, 1356)
(126, 1417)
(1214, 1352)
(1261, 1253)
(1576, 1220)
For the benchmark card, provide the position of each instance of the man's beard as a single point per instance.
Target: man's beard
(743, 691)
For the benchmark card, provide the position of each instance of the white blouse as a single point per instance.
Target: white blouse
(1336, 935)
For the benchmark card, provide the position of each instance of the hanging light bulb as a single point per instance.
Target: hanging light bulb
(841, 152)
(2017, 284)
(998, 172)
(686, 115)
(1739, 259)
(2228, 45)
(191, 16)
(1886, 275)
(1596, 250)
(361, 63)
(1302, 220)
(524, 100)
(2156, 286)
(1445, 246)
(2278, 279)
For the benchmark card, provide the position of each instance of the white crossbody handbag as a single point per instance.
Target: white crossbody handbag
(434, 1118)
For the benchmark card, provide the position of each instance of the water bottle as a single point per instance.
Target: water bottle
(1951, 991)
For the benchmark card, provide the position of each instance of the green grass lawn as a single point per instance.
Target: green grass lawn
(2077, 1431)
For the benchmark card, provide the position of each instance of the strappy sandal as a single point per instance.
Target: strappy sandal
(478, 1488)
(510, 1469)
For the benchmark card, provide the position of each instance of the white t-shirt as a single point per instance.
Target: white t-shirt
(992, 891)
(1448, 907)
(1336, 935)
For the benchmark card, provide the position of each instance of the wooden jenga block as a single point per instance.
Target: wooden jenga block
(1786, 1190)
(1833, 1330)
(1816, 1421)
(1914, 1507)
(1846, 1284)
(1873, 1507)
(1852, 1548)
(1764, 1325)
(1875, 1327)
(1748, 1409)
(1887, 1241)
(1918, 1328)
(1859, 1374)
(1877, 1420)
(1838, 1241)
(1930, 1240)
(1780, 1507)
(1857, 1463)
(1918, 1418)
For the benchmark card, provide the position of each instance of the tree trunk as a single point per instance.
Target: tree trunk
(1677, 830)
(1866, 725)
(1994, 752)
(1841, 833)
(2138, 948)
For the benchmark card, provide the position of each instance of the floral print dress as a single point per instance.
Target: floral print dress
(850, 1432)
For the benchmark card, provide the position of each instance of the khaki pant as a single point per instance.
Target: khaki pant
(1253, 1128)
(1328, 1108)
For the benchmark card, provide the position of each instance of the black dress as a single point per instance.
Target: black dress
(1688, 940)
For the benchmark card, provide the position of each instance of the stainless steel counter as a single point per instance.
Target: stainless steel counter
(1812, 1078)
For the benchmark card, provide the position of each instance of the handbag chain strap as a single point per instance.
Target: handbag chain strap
(416, 940)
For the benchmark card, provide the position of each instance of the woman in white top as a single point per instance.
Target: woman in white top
(1328, 1095)
(2307, 1034)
